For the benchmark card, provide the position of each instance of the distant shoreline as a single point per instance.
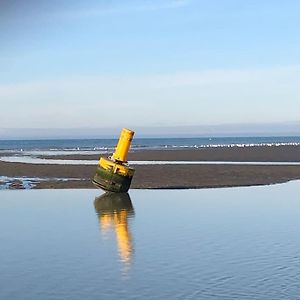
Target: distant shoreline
(169, 176)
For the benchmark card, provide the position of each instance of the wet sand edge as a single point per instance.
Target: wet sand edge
(175, 176)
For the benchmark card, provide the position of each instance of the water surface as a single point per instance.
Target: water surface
(90, 146)
(230, 243)
(36, 160)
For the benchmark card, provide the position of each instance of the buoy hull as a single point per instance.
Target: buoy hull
(111, 181)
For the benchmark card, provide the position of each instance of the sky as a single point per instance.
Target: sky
(67, 64)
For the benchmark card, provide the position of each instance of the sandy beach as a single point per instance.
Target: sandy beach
(170, 176)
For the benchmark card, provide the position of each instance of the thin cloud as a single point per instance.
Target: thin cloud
(143, 6)
(184, 98)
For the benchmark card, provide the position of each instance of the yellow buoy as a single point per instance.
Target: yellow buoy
(113, 173)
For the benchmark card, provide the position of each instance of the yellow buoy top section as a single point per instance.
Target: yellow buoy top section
(123, 146)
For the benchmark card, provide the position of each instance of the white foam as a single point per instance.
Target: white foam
(101, 150)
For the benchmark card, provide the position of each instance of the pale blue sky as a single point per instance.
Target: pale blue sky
(87, 63)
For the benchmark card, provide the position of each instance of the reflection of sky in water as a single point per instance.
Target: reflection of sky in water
(229, 243)
(35, 160)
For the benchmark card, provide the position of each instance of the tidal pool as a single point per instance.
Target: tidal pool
(229, 243)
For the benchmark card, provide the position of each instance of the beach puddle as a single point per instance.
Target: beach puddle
(17, 183)
(229, 243)
(48, 161)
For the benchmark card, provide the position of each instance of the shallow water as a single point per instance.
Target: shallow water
(24, 182)
(232, 243)
(36, 160)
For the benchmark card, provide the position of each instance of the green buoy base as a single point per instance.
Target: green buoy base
(112, 182)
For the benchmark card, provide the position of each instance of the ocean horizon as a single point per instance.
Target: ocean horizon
(108, 144)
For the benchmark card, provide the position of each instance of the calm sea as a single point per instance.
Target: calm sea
(230, 243)
(143, 143)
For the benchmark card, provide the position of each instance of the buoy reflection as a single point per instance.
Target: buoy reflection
(114, 210)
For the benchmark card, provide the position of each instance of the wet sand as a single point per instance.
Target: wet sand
(261, 153)
(176, 176)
